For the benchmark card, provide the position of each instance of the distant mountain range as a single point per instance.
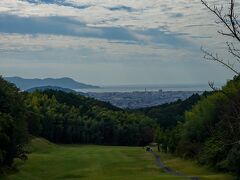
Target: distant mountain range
(25, 84)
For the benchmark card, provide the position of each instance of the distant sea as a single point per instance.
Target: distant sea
(142, 88)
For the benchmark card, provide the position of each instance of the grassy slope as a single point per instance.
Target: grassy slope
(49, 161)
(192, 168)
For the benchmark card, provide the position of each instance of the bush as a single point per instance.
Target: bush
(233, 160)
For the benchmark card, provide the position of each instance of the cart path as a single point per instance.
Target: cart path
(168, 169)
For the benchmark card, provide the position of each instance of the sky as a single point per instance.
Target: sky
(110, 42)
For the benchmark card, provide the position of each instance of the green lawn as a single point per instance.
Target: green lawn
(192, 168)
(49, 161)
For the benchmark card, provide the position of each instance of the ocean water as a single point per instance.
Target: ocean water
(142, 88)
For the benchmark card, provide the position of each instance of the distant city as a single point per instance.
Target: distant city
(140, 96)
(140, 99)
(123, 96)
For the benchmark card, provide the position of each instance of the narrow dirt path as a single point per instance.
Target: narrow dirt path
(168, 169)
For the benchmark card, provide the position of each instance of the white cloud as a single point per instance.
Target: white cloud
(25, 43)
(174, 15)
(145, 14)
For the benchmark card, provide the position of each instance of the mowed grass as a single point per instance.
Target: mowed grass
(49, 161)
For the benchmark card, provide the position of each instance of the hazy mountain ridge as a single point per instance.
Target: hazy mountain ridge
(43, 88)
(64, 82)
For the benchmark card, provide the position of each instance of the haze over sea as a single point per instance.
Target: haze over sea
(142, 88)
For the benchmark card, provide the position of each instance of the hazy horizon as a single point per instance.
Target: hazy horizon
(178, 84)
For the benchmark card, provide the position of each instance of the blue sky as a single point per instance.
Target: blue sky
(109, 41)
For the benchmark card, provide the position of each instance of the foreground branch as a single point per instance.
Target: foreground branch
(211, 57)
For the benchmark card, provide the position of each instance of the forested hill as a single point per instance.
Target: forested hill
(210, 132)
(71, 118)
(43, 88)
(167, 115)
(77, 100)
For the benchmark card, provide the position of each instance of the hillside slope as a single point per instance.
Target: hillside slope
(167, 115)
(71, 118)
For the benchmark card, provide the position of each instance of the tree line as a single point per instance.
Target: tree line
(70, 118)
(210, 132)
(13, 128)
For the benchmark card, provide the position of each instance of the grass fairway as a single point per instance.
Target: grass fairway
(48, 161)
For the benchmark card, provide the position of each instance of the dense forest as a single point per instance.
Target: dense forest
(13, 127)
(210, 132)
(169, 114)
(70, 118)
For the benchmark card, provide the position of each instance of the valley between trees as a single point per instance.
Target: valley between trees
(204, 129)
(197, 137)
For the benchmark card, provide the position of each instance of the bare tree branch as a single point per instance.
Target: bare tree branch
(231, 23)
(211, 57)
(211, 85)
(229, 20)
(232, 50)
